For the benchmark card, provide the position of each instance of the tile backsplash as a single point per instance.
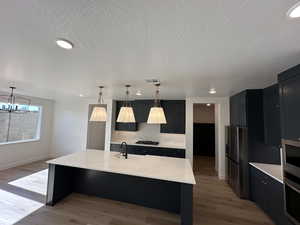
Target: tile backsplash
(149, 132)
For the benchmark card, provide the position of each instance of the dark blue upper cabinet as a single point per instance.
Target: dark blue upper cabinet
(272, 115)
(174, 112)
(289, 89)
(141, 110)
(175, 116)
(238, 112)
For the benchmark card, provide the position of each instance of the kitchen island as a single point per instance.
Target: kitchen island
(163, 183)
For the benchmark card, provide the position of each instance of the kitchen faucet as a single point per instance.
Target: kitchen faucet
(124, 153)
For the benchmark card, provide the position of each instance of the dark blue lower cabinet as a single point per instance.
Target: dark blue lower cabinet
(144, 150)
(268, 194)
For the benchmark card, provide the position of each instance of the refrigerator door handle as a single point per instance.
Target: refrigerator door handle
(237, 144)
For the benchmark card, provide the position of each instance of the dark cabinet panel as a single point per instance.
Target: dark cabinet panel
(247, 110)
(144, 150)
(257, 188)
(272, 115)
(289, 106)
(175, 116)
(131, 149)
(174, 112)
(141, 110)
(238, 116)
(124, 126)
(267, 193)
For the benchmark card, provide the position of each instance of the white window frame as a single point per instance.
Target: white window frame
(38, 130)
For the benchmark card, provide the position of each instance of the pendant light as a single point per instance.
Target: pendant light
(126, 114)
(99, 113)
(12, 103)
(157, 114)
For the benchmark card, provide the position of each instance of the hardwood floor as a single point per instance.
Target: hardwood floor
(214, 204)
(204, 165)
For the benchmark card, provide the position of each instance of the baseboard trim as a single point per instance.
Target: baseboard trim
(23, 162)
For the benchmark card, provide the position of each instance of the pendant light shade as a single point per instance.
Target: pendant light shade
(126, 114)
(157, 114)
(99, 113)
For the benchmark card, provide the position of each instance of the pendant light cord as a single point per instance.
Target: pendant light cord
(100, 99)
(157, 101)
(127, 96)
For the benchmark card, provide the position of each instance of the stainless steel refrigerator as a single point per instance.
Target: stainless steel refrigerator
(237, 169)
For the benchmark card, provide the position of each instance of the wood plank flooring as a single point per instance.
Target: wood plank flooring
(214, 204)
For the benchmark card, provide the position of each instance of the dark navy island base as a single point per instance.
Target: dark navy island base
(153, 193)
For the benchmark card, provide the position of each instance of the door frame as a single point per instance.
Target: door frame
(221, 120)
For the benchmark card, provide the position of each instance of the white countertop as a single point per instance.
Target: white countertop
(155, 167)
(274, 171)
(160, 145)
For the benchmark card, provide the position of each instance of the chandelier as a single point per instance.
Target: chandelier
(11, 103)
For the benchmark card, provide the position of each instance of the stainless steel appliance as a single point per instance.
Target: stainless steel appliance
(291, 169)
(291, 157)
(237, 173)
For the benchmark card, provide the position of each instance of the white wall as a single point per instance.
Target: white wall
(221, 120)
(204, 113)
(21, 153)
(71, 123)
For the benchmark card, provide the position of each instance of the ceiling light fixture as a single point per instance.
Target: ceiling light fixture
(126, 114)
(14, 104)
(65, 44)
(157, 114)
(208, 104)
(99, 113)
(212, 91)
(294, 12)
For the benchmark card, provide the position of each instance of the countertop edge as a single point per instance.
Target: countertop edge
(191, 182)
(266, 172)
(134, 175)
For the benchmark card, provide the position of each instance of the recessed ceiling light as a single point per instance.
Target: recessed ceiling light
(208, 104)
(81, 95)
(65, 44)
(294, 12)
(212, 91)
(138, 93)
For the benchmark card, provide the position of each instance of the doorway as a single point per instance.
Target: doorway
(204, 151)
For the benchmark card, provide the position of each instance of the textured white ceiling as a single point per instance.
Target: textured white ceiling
(190, 45)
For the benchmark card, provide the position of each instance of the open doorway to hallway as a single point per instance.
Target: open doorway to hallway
(204, 150)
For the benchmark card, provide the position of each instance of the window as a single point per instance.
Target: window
(16, 127)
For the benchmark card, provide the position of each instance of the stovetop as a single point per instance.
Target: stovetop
(147, 142)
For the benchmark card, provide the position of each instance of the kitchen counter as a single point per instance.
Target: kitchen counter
(274, 171)
(163, 183)
(156, 167)
(160, 145)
